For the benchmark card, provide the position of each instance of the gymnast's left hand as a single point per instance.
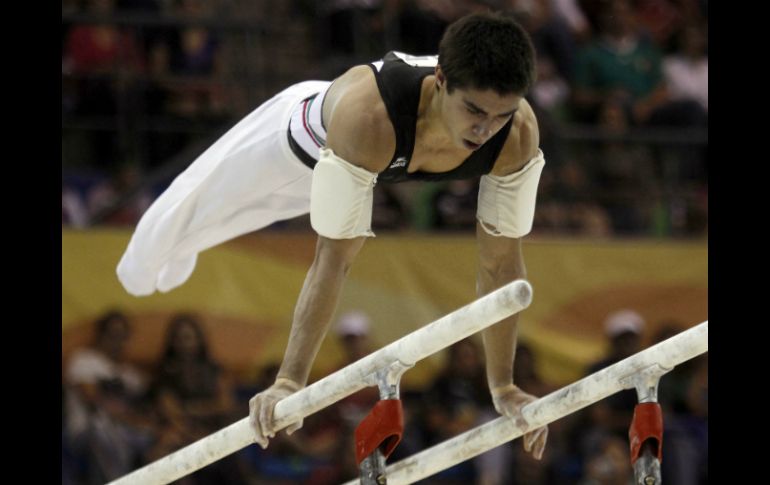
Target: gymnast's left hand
(261, 409)
(509, 401)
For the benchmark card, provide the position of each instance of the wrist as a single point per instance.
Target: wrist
(288, 383)
(498, 391)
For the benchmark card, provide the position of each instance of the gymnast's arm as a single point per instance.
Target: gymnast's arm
(501, 261)
(355, 154)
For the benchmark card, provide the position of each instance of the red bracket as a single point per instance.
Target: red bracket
(646, 425)
(381, 428)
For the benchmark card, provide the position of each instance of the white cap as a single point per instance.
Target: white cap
(354, 322)
(623, 321)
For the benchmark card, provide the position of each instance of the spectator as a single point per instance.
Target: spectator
(105, 425)
(194, 397)
(99, 66)
(195, 60)
(611, 417)
(571, 201)
(687, 70)
(352, 331)
(620, 67)
(623, 173)
(456, 401)
(102, 55)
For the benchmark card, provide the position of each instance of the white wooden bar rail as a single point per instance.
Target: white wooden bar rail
(658, 359)
(487, 310)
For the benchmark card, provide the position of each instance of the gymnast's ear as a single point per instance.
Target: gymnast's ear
(440, 77)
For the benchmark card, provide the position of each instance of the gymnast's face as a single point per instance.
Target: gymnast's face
(473, 116)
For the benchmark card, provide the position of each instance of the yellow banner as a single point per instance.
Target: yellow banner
(245, 291)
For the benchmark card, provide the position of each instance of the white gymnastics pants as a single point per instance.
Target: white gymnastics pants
(247, 180)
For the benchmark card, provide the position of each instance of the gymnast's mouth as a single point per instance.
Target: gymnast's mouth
(470, 145)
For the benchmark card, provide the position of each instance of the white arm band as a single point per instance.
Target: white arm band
(507, 204)
(341, 198)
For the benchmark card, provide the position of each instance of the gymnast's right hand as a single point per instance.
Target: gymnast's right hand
(261, 409)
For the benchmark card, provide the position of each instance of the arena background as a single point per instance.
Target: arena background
(621, 219)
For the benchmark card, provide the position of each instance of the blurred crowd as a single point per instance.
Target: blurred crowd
(621, 98)
(118, 415)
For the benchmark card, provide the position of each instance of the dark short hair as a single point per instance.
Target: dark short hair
(487, 51)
